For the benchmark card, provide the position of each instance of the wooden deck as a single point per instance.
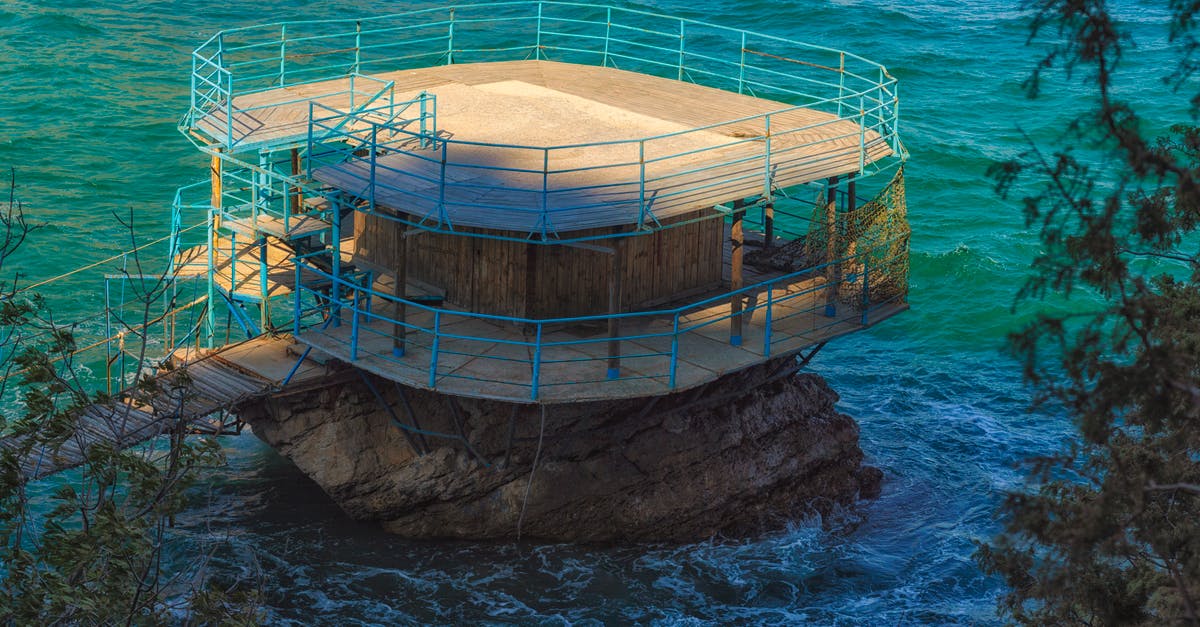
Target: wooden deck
(487, 359)
(542, 104)
(216, 381)
(281, 272)
(299, 226)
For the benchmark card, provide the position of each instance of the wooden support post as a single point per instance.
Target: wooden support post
(264, 306)
(736, 281)
(400, 265)
(217, 191)
(297, 196)
(769, 224)
(214, 224)
(833, 271)
(615, 270)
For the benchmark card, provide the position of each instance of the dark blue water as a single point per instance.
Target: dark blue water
(88, 105)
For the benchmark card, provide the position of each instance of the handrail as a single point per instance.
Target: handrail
(683, 48)
(352, 292)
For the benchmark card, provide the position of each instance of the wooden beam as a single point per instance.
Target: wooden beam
(264, 309)
(833, 271)
(214, 170)
(297, 196)
(400, 265)
(615, 270)
(736, 280)
(769, 224)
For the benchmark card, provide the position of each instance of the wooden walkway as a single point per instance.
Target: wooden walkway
(215, 382)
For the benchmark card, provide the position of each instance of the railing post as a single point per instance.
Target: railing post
(866, 290)
(108, 358)
(229, 110)
(450, 40)
(309, 144)
(879, 113)
(896, 117)
(192, 109)
(535, 375)
(841, 80)
(296, 310)
(176, 235)
(674, 350)
(768, 319)
(232, 263)
(282, 54)
(374, 160)
(767, 156)
(607, 35)
(742, 66)
(537, 49)
(433, 118)
(681, 38)
(424, 129)
(357, 45)
(862, 134)
(433, 351)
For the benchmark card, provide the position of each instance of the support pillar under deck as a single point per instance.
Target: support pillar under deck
(615, 271)
(736, 280)
(833, 271)
(400, 265)
(214, 223)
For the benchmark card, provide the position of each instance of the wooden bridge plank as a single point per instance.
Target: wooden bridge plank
(215, 384)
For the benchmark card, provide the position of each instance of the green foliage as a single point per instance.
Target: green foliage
(96, 550)
(1108, 533)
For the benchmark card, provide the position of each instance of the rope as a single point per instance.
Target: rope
(101, 262)
(130, 330)
(529, 484)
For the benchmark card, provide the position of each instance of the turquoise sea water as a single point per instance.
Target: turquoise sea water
(89, 97)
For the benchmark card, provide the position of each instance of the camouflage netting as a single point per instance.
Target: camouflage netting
(871, 240)
(875, 237)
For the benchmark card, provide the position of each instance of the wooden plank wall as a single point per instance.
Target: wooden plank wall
(374, 238)
(512, 278)
(656, 267)
(665, 264)
(481, 275)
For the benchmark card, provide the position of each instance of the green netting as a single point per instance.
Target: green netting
(873, 239)
(868, 242)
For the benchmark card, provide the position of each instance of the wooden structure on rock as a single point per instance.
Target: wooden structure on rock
(530, 202)
(623, 204)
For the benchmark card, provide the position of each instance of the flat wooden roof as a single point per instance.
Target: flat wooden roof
(550, 104)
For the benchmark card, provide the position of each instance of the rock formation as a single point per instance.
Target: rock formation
(739, 456)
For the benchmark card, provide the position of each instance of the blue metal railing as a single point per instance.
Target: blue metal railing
(434, 343)
(244, 61)
(408, 167)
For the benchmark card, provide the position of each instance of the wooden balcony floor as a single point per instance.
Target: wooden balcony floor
(493, 359)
